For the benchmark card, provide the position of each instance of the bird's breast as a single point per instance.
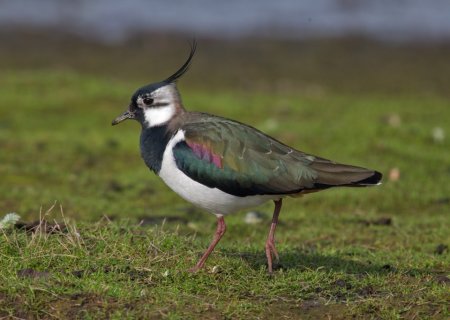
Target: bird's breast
(210, 199)
(153, 142)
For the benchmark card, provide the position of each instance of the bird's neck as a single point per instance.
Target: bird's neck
(153, 143)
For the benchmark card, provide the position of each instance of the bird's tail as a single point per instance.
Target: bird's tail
(331, 174)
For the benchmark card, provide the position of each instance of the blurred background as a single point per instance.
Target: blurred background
(359, 81)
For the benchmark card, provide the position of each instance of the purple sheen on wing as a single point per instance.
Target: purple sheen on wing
(203, 153)
(217, 160)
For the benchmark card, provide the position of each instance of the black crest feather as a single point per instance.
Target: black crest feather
(182, 70)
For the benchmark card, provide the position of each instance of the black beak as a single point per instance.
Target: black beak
(124, 116)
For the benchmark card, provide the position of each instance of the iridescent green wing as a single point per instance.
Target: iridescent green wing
(241, 160)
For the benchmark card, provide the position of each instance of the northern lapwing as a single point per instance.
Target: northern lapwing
(222, 165)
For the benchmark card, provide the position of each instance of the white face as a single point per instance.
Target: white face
(162, 107)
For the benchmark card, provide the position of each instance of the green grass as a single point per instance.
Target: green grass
(117, 257)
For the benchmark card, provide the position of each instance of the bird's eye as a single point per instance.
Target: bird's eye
(148, 101)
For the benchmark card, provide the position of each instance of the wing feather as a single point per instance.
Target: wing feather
(242, 161)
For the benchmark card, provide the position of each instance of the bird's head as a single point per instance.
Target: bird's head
(155, 104)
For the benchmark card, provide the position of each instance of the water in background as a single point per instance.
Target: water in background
(115, 20)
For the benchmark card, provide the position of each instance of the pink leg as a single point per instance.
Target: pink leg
(221, 227)
(270, 243)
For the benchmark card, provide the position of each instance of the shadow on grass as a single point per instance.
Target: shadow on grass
(300, 259)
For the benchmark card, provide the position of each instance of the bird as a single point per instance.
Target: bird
(223, 166)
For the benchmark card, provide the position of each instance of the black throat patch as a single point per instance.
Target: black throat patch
(153, 143)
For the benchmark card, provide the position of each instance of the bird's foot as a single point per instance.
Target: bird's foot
(193, 269)
(197, 267)
(271, 251)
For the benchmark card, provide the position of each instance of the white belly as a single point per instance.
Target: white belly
(210, 199)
